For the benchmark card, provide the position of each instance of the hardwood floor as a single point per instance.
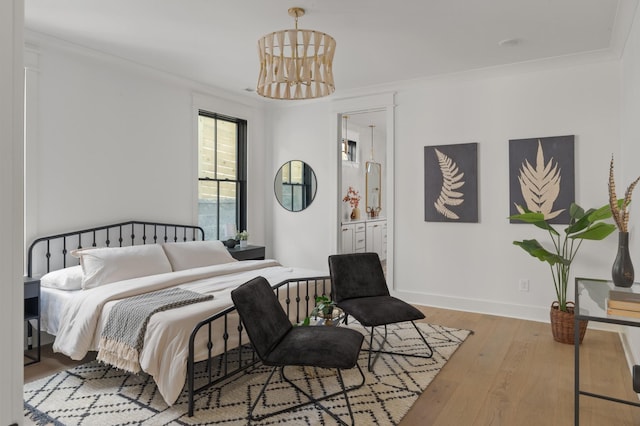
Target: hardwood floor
(512, 372)
(509, 372)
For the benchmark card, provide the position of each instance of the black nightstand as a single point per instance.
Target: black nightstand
(32, 312)
(247, 253)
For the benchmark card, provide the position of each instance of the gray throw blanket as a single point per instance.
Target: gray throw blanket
(123, 335)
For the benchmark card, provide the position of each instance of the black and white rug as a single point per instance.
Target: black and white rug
(95, 394)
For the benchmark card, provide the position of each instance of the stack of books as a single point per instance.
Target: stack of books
(623, 304)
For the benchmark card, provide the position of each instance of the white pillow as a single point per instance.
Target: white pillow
(107, 265)
(195, 254)
(63, 279)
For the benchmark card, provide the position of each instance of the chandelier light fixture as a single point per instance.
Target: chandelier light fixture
(296, 64)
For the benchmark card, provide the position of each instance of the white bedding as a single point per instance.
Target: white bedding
(165, 351)
(52, 300)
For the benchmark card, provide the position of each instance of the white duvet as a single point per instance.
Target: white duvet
(165, 351)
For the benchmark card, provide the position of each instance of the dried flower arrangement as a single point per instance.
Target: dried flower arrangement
(619, 209)
(353, 197)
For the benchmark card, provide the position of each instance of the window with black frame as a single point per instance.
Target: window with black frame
(222, 193)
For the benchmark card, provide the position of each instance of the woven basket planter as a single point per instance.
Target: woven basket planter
(562, 324)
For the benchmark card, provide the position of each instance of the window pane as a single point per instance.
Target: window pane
(228, 210)
(208, 208)
(296, 172)
(227, 145)
(297, 198)
(286, 173)
(206, 147)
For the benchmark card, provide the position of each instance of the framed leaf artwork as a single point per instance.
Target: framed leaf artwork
(542, 177)
(451, 183)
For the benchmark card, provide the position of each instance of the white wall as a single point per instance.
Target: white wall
(11, 211)
(117, 141)
(629, 167)
(475, 266)
(472, 266)
(304, 132)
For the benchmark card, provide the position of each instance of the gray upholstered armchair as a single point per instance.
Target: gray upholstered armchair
(279, 344)
(360, 289)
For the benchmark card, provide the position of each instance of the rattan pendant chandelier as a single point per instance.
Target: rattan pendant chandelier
(296, 64)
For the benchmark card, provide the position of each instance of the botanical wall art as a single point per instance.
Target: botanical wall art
(541, 177)
(451, 183)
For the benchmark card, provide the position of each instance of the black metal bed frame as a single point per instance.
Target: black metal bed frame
(297, 295)
(101, 236)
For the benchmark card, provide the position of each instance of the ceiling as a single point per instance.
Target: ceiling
(378, 41)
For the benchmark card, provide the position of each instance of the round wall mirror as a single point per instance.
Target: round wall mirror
(295, 185)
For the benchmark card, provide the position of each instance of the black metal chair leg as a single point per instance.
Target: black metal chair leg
(346, 397)
(379, 351)
(312, 400)
(255, 403)
(316, 401)
(424, 339)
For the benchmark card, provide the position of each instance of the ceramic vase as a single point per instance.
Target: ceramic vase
(355, 214)
(622, 270)
(243, 243)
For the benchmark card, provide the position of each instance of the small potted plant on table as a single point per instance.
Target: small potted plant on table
(323, 309)
(243, 237)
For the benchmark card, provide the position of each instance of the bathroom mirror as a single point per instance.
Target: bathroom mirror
(373, 185)
(295, 185)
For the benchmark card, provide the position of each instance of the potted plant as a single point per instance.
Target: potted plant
(583, 225)
(324, 308)
(243, 237)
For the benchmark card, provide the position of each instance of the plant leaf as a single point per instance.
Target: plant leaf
(451, 180)
(535, 249)
(598, 231)
(534, 218)
(540, 185)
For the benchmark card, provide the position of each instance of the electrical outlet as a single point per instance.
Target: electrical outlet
(523, 284)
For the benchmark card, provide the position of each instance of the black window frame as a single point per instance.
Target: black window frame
(241, 171)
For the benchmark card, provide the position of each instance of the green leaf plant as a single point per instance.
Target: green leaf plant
(583, 225)
(324, 307)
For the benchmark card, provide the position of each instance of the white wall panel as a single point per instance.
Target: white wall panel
(11, 209)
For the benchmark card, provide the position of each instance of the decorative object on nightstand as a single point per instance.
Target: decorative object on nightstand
(32, 313)
(230, 243)
(583, 225)
(622, 270)
(243, 237)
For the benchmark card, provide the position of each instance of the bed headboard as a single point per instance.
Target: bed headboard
(53, 252)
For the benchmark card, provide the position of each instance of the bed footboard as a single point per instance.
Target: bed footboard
(236, 354)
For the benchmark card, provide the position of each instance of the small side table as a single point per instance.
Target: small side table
(32, 312)
(247, 253)
(591, 300)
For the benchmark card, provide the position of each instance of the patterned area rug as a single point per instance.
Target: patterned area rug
(95, 394)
